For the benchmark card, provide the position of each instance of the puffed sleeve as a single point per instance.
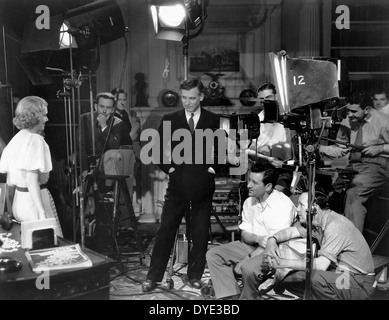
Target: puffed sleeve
(34, 154)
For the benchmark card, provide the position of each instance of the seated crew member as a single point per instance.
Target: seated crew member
(368, 128)
(126, 141)
(102, 118)
(265, 212)
(274, 141)
(343, 269)
(122, 114)
(380, 100)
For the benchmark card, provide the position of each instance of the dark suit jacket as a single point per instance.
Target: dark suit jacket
(191, 181)
(125, 137)
(86, 147)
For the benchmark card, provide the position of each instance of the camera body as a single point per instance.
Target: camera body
(237, 122)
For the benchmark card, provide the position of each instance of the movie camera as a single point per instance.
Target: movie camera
(238, 122)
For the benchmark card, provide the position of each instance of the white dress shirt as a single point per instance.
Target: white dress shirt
(277, 212)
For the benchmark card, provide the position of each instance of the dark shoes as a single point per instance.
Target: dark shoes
(196, 283)
(148, 285)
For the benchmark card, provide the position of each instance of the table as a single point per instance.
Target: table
(84, 283)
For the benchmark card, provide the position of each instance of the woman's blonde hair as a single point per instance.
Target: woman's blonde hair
(29, 112)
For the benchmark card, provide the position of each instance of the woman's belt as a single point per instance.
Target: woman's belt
(21, 189)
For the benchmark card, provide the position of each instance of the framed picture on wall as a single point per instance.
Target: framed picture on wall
(228, 54)
(214, 53)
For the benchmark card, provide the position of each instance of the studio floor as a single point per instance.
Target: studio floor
(128, 274)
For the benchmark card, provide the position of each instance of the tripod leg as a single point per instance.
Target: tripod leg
(133, 219)
(114, 217)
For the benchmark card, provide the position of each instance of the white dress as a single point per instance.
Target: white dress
(28, 151)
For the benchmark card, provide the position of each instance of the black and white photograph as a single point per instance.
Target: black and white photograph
(191, 154)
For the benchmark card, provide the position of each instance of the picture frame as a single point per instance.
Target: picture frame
(215, 53)
(224, 54)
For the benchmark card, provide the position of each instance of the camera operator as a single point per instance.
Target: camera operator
(368, 130)
(343, 253)
(274, 141)
(265, 212)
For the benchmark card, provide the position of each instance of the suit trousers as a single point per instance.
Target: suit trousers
(199, 223)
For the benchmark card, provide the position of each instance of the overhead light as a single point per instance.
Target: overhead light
(85, 27)
(66, 40)
(173, 19)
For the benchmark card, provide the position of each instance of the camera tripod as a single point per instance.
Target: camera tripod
(120, 188)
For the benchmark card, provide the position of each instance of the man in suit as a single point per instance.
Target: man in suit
(190, 189)
(102, 118)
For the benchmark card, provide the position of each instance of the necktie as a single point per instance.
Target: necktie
(356, 154)
(191, 123)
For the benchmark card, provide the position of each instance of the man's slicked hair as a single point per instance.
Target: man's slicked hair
(192, 83)
(104, 95)
(270, 172)
(267, 86)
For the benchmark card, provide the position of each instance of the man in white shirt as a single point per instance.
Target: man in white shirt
(380, 100)
(265, 212)
(274, 141)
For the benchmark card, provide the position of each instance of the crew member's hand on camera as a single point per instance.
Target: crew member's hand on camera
(373, 151)
(275, 162)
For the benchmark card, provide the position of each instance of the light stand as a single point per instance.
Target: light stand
(7, 85)
(309, 255)
(185, 50)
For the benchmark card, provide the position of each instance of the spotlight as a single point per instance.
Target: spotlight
(85, 27)
(173, 19)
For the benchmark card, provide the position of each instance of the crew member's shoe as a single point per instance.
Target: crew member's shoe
(196, 283)
(148, 285)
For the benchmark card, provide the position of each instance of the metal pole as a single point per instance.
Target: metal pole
(185, 49)
(309, 257)
(80, 187)
(91, 112)
(6, 78)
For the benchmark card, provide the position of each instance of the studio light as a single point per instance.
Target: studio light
(85, 27)
(66, 40)
(173, 19)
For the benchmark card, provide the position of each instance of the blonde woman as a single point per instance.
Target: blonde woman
(27, 161)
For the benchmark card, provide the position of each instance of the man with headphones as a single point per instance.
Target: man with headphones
(343, 268)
